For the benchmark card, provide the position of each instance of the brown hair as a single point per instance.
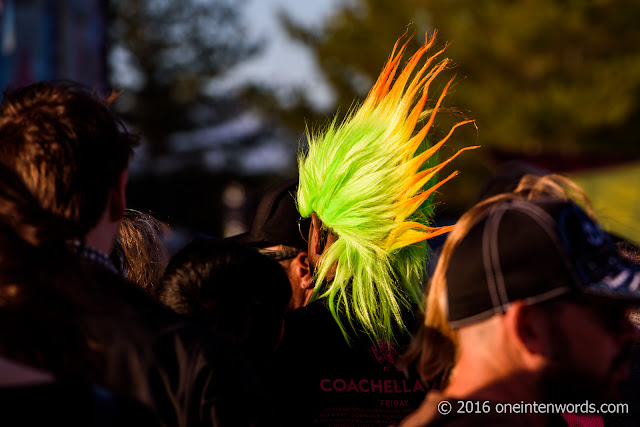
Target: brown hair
(141, 248)
(46, 296)
(67, 147)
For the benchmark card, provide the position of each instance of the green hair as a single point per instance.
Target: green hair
(370, 180)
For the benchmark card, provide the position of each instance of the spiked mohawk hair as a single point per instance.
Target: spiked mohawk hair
(370, 180)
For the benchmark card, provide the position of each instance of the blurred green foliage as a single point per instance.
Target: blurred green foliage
(615, 198)
(541, 77)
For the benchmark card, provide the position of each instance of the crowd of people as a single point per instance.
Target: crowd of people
(326, 311)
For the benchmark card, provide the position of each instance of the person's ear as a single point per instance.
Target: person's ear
(303, 271)
(528, 329)
(117, 198)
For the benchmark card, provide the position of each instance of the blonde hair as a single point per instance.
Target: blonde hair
(141, 247)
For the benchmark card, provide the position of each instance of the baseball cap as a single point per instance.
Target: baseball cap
(276, 219)
(534, 251)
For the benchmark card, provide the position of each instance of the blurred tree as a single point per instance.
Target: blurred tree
(543, 78)
(171, 50)
(164, 54)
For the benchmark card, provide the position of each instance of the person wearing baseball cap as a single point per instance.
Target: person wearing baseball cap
(528, 305)
(276, 233)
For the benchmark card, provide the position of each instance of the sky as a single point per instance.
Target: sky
(283, 62)
(280, 65)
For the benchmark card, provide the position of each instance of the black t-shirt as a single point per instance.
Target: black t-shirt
(318, 378)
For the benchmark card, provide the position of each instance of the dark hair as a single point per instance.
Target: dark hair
(67, 147)
(22, 218)
(231, 288)
(43, 295)
(141, 249)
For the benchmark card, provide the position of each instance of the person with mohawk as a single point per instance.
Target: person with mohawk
(365, 196)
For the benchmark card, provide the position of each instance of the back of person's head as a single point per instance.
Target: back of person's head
(277, 233)
(141, 248)
(433, 350)
(67, 147)
(43, 290)
(231, 288)
(369, 182)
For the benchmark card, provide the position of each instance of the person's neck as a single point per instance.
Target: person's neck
(496, 382)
